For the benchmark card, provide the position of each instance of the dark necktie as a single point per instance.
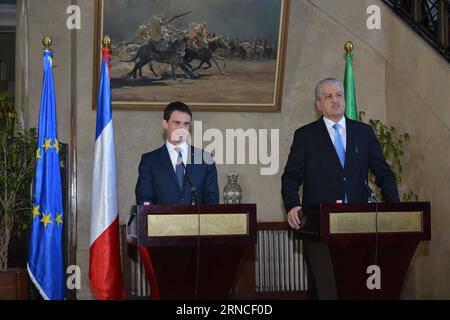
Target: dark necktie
(179, 168)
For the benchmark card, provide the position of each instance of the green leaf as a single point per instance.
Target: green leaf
(392, 144)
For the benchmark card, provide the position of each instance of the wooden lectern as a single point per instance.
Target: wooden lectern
(192, 252)
(343, 241)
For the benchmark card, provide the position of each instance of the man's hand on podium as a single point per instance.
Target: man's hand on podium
(294, 215)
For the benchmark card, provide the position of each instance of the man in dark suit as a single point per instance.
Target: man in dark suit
(331, 157)
(167, 174)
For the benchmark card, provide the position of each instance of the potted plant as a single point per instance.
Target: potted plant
(17, 165)
(392, 143)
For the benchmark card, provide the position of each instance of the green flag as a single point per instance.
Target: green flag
(349, 89)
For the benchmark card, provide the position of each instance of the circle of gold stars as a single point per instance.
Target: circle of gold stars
(48, 145)
(46, 218)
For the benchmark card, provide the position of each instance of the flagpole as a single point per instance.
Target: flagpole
(348, 47)
(106, 51)
(106, 41)
(47, 42)
(349, 83)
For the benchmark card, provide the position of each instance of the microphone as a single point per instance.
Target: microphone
(191, 185)
(371, 195)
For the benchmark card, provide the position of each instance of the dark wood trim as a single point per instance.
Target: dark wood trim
(194, 107)
(273, 226)
(417, 11)
(98, 9)
(14, 284)
(71, 214)
(245, 282)
(442, 23)
(281, 60)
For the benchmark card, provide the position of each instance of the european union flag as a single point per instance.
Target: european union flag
(45, 258)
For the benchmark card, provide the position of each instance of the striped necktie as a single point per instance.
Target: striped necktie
(339, 144)
(340, 150)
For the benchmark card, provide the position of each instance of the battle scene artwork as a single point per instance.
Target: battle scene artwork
(215, 55)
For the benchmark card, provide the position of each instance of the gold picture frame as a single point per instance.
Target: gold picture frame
(251, 54)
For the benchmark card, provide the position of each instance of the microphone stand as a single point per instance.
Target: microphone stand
(194, 201)
(371, 199)
(194, 196)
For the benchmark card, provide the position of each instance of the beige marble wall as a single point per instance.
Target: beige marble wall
(49, 17)
(419, 100)
(317, 32)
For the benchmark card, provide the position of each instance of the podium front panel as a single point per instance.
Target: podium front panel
(164, 225)
(371, 222)
(193, 252)
(363, 223)
(161, 225)
(343, 241)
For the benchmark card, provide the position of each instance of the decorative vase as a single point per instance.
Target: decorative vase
(232, 193)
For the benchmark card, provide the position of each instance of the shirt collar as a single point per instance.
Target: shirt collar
(171, 147)
(329, 123)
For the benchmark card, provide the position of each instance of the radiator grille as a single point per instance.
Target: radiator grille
(139, 286)
(279, 262)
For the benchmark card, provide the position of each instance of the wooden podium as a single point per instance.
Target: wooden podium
(343, 240)
(192, 252)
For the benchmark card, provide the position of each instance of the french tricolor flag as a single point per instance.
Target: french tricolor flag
(105, 273)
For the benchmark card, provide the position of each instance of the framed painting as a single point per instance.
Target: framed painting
(221, 55)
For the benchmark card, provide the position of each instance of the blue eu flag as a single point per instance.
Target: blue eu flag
(45, 257)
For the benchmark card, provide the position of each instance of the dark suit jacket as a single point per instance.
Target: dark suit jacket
(157, 181)
(314, 163)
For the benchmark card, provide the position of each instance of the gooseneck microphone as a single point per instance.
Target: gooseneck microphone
(371, 197)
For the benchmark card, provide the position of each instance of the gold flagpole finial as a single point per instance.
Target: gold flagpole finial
(47, 42)
(348, 47)
(106, 42)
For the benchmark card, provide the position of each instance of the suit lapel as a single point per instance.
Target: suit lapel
(325, 140)
(350, 129)
(165, 158)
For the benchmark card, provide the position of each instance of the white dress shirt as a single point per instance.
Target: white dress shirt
(342, 130)
(173, 154)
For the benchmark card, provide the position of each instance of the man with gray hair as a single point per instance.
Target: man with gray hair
(331, 158)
